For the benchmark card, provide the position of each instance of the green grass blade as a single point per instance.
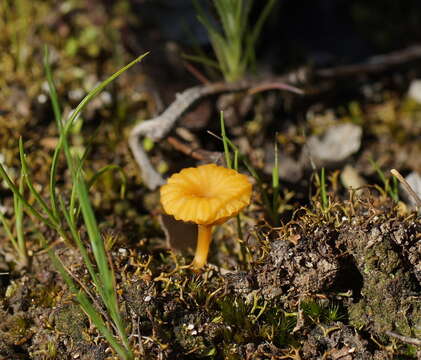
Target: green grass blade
(53, 177)
(203, 60)
(226, 12)
(106, 169)
(392, 191)
(8, 231)
(323, 194)
(17, 193)
(98, 249)
(58, 117)
(378, 170)
(52, 88)
(251, 38)
(257, 28)
(79, 243)
(19, 224)
(225, 141)
(244, 18)
(201, 16)
(35, 193)
(236, 160)
(97, 90)
(93, 232)
(275, 182)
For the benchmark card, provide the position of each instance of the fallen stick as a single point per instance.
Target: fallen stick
(407, 187)
(406, 339)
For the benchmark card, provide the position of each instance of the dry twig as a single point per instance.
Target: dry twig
(407, 187)
(195, 153)
(406, 339)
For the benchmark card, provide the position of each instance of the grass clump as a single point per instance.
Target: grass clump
(234, 41)
(63, 217)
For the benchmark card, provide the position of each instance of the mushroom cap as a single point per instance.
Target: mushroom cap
(206, 195)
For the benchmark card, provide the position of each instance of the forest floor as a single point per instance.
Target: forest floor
(325, 278)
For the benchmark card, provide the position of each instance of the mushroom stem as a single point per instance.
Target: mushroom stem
(204, 238)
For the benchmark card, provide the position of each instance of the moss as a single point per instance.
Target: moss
(19, 326)
(15, 329)
(387, 304)
(72, 321)
(44, 296)
(189, 337)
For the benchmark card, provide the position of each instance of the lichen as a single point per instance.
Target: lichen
(387, 302)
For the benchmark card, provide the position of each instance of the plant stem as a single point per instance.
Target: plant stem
(23, 253)
(325, 202)
(204, 238)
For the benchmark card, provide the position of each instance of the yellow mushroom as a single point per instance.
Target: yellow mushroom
(206, 195)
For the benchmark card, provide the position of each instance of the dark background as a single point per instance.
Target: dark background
(320, 33)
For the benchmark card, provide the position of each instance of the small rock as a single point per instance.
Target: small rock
(337, 144)
(351, 179)
(414, 91)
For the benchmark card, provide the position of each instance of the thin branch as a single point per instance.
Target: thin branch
(198, 154)
(374, 64)
(407, 187)
(275, 86)
(406, 339)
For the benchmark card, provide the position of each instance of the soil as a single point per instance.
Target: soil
(335, 280)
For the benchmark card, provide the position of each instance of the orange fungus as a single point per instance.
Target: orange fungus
(206, 195)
